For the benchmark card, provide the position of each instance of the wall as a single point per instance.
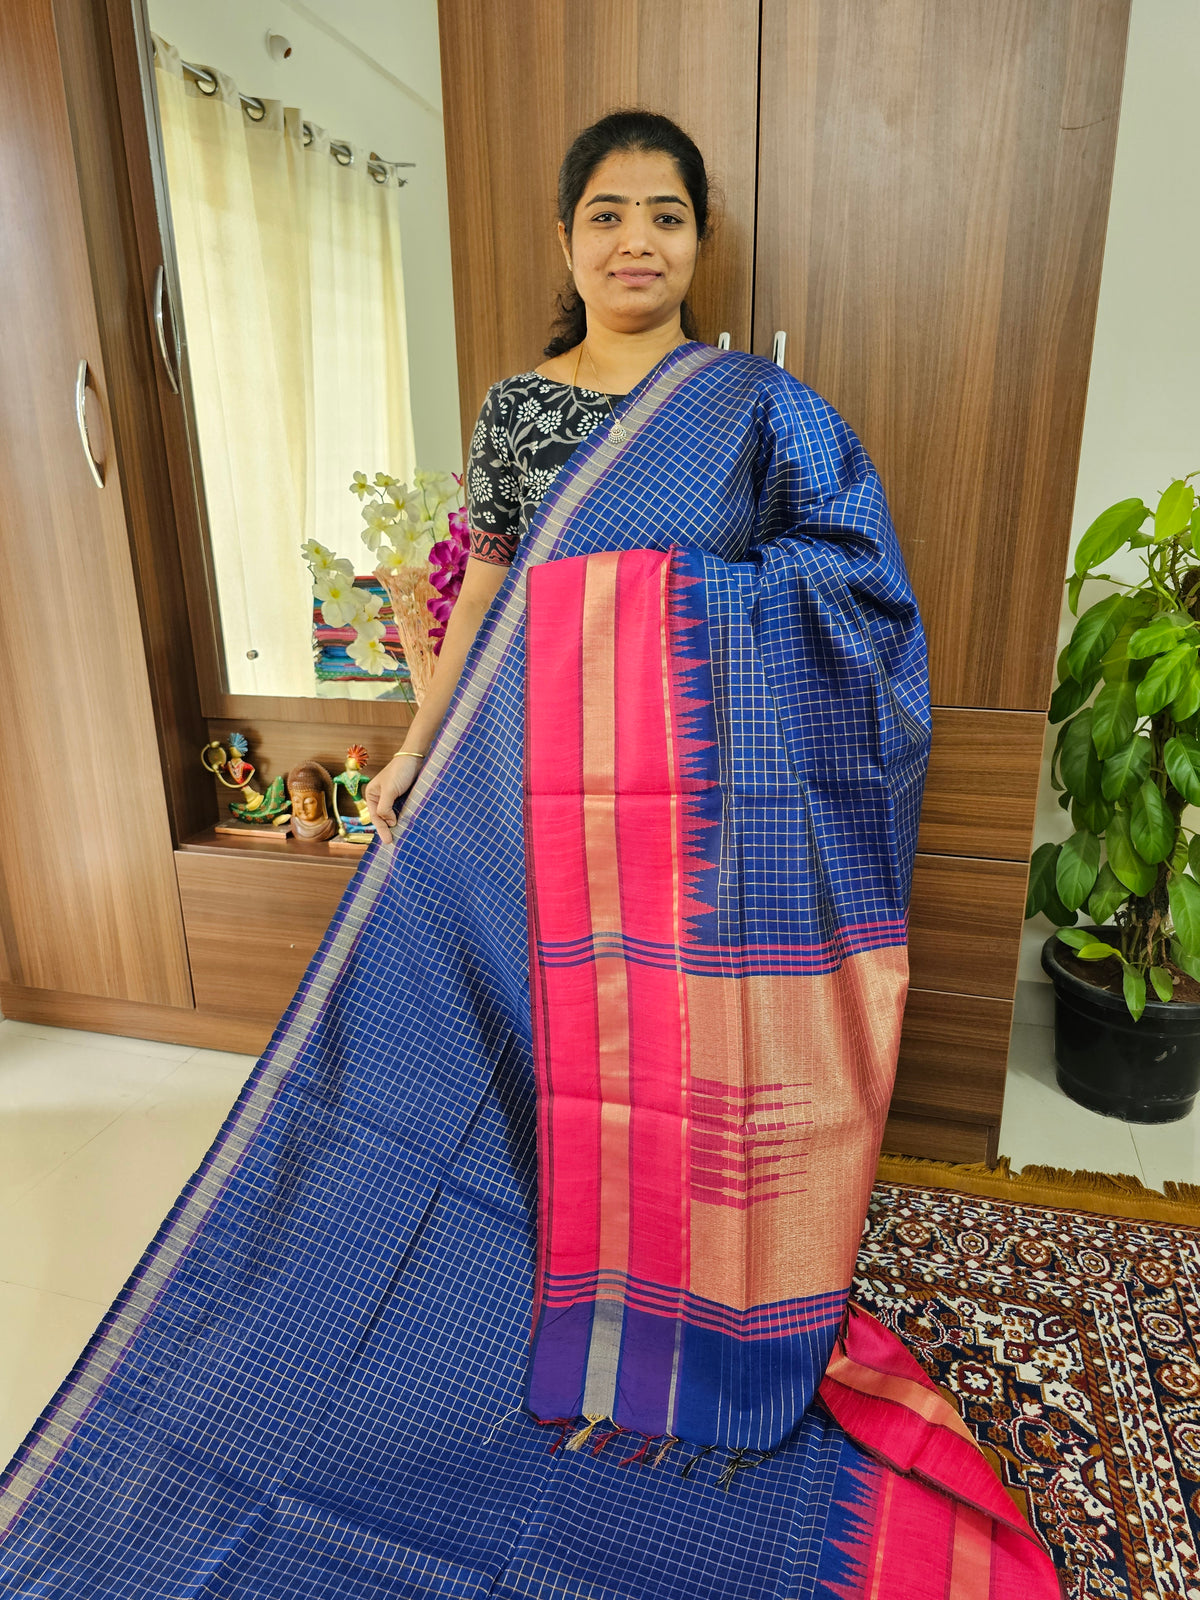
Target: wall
(368, 71)
(1142, 424)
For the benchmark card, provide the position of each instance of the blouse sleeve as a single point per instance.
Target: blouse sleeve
(493, 495)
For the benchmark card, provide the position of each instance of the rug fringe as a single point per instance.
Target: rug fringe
(1112, 1194)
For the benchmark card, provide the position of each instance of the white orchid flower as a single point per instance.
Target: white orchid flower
(341, 603)
(371, 657)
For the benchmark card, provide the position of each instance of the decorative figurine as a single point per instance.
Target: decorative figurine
(308, 786)
(353, 780)
(255, 808)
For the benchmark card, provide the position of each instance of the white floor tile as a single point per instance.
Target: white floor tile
(41, 1336)
(80, 1230)
(78, 1038)
(1042, 1127)
(1169, 1151)
(55, 1098)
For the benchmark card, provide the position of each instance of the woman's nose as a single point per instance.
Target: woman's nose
(635, 236)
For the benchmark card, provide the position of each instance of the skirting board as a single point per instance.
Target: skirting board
(207, 1030)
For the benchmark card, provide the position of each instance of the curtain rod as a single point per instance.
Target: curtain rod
(341, 152)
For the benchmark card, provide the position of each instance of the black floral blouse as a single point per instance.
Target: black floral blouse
(528, 427)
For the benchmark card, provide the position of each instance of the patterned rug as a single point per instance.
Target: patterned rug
(1071, 1345)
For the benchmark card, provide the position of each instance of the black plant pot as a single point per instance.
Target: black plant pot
(1144, 1071)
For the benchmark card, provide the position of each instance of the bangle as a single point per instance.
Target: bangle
(420, 754)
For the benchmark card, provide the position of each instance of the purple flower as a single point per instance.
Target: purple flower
(447, 565)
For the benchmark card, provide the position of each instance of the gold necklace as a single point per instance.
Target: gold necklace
(618, 429)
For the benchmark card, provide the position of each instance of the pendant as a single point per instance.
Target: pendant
(618, 432)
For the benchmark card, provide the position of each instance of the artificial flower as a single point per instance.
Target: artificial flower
(341, 603)
(371, 657)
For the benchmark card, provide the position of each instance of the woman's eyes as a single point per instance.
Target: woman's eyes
(663, 216)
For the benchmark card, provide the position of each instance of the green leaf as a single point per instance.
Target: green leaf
(1136, 874)
(1184, 894)
(1151, 825)
(1041, 878)
(1077, 869)
(1125, 768)
(1185, 962)
(1178, 859)
(1134, 985)
(1181, 757)
(1164, 633)
(1079, 763)
(1068, 697)
(1111, 529)
(1074, 584)
(1174, 510)
(1096, 950)
(1094, 633)
(1113, 717)
(1065, 801)
(1194, 855)
(1187, 702)
(1076, 937)
(1161, 979)
(1108, 894)
(1091, 816)
(1165, 679)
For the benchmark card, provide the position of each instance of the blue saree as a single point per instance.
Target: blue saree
(316, 1382)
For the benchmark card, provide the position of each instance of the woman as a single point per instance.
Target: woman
(665, 782)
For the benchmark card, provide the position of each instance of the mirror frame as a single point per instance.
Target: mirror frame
(157, 246)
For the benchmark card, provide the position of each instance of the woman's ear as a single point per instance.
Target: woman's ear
(565, 242)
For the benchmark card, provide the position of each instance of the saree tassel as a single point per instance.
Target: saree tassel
(500, 1421)
(668, 1444)
(685, 1470)
(564, 1426)
(739, 1461)
(603, 1438)
(579, 1439)
(638, 1455)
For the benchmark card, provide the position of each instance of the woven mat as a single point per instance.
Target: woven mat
(1070, 1342)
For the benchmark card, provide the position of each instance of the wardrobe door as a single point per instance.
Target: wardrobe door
(521, 78)
(933, 192)
(88, 900)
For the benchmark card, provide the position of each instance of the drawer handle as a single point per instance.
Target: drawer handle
(81, 383)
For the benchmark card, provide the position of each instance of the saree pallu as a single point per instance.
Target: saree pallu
(315, 1381)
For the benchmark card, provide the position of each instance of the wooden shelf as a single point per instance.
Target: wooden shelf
(306, 851)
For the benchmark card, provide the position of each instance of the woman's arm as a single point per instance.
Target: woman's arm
(480, 583)
(491, 481)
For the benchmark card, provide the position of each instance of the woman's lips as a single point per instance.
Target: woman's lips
(633, 277)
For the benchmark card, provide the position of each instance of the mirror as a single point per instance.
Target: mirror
(306, 309)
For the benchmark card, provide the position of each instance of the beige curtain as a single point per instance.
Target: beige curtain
(293, 308)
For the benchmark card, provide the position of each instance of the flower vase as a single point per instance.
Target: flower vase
(409, 590)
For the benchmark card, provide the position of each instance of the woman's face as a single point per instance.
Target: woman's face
(633, 243)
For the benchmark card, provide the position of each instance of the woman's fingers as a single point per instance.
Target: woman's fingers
(385, 789)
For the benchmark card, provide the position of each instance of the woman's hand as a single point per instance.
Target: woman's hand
(386, 788)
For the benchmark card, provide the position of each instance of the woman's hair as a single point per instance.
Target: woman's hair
(648, 133)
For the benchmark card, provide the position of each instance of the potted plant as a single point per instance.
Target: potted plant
(1127, 765)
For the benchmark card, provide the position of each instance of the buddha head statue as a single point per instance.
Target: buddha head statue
(308, 786)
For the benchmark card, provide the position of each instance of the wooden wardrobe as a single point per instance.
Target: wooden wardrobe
(913, 191)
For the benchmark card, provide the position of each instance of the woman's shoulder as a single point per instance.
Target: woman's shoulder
(507, 394)
(766, 377)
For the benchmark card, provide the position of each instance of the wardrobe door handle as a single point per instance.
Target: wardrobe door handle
(779, 346)
(81, 383)
(723, 341)
(160, 327)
